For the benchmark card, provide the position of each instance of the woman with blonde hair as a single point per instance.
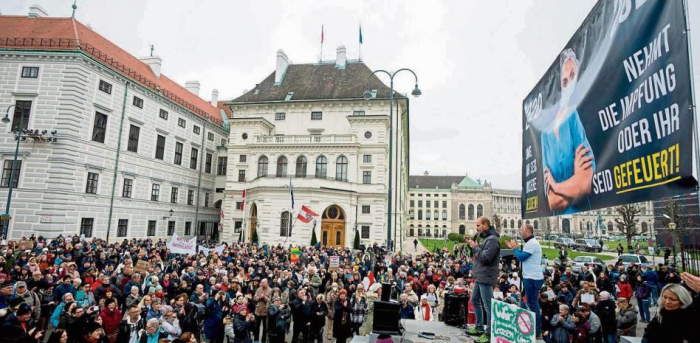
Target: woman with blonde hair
(678, 315)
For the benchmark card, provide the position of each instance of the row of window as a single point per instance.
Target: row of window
(479, 211)
(127, 189)
(341, 168)
(314, 115)
(87, 225)
(428, 195)
(428, 232)
(427, 215)
(436, 203)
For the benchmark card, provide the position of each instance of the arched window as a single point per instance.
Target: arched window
(321, 167)
(512, 224)
(281, 166)
(437, 232)
(566, 226)
(436, 215)
(462, 230)
(479, 211)
(505, 223)
(645, 227)
(520, 223)
(461, 212)
(262, 166)
(411, 231)
(471, 212)
(341, 168)
(535, 225)
(444, 214)
(284, 224)
(427, 214)
(420, 231)
(420, 214)
(301, 166)
(610, 228)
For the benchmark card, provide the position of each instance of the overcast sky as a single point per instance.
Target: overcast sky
(476, 60)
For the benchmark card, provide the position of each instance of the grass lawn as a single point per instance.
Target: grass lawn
(552, 253)
(612, 245)
(430, 244)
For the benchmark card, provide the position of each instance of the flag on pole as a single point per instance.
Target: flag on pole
(360, 33)
(306, 214)
(291, 192)
(321, 33)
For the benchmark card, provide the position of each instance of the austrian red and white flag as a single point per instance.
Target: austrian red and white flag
(306, 214)
(243, 203)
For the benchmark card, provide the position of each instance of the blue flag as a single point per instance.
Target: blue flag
(360, 34)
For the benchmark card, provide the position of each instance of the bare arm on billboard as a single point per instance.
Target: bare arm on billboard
(560, 194)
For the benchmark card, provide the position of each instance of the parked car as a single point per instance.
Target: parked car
(628, 259)
(582, 260)
(563, 242)
(589, 245)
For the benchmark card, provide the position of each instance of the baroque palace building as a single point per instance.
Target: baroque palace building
(109, 144)
(308, 127)
(439, 205)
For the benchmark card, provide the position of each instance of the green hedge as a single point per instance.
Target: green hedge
(455, 237)
(503, 240)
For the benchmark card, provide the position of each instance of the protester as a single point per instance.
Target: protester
(341, 318)
(678, 316)
(561, 323)
(486, 260)
(626, 316)
(533, 278)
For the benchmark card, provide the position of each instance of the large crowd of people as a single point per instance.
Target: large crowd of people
(69, 289)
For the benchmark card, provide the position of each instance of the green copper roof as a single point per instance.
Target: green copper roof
(468, 182)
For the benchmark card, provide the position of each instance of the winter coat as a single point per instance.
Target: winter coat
(625, 290)
(341, 320)
(125, 329)
(486, 258)
(318, 321)
(605, 309)
(369, 316)
(331, 297)
(676, 326)
(560, 330)
(643, 291)
(239, 330)
(212, 327)
(110, 319)
(12, 330)
(171, 328)
(30, 298)
(582, 332)
(627, 322)
(420, 313)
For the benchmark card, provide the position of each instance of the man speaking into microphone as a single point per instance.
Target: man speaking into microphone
(533, 278)
(487, 254)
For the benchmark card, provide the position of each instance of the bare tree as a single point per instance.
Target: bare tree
(674, 210)
(546, 227)
(627, 221)
(497, 222)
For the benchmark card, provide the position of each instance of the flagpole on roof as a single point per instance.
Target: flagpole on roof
(360, 58)
(320, 56)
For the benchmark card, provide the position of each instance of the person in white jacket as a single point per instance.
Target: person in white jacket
(424, 312)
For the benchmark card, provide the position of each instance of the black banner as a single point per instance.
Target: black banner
(611, 122)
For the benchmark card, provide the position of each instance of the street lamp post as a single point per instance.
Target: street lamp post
(672, 227)
(6, 120)
(367, 96)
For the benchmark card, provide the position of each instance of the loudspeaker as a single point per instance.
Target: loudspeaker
(456, 309)
(386, 317)
(386, 291)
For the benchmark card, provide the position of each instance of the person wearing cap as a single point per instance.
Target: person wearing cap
(94, 333)
(28, 297)
(65, 286)
(238, 329)
(20, 327)
(5, 295)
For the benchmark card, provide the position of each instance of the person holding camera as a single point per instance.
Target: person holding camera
(301, 315)
(342, 325)
(277, 320)
(212, 324)
(238, 329)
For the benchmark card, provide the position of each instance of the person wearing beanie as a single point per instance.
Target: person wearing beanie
(94, 333)
(20, 326)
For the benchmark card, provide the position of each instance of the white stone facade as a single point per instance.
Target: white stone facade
(353, 130)
(51, 197)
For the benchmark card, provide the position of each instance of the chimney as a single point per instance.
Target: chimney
(36, 11)
(154, 62)
(426, 173)
(214, 97)
(282, 64)
(340, 57)
(193, 86)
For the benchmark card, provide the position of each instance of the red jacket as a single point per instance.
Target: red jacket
(110, 319)
(625, 290)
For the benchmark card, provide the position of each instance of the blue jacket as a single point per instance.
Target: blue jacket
(213, 324)
(407, 312)
(61, 290)
(651, 277)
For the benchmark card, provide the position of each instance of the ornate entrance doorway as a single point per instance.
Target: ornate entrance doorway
(333, 227)
(253, 221)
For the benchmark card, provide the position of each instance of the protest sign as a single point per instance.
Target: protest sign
(510, 323)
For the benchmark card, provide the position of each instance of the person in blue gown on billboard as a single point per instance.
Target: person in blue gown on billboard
(567, 159)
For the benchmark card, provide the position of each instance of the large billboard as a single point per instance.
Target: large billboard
(610, 123)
